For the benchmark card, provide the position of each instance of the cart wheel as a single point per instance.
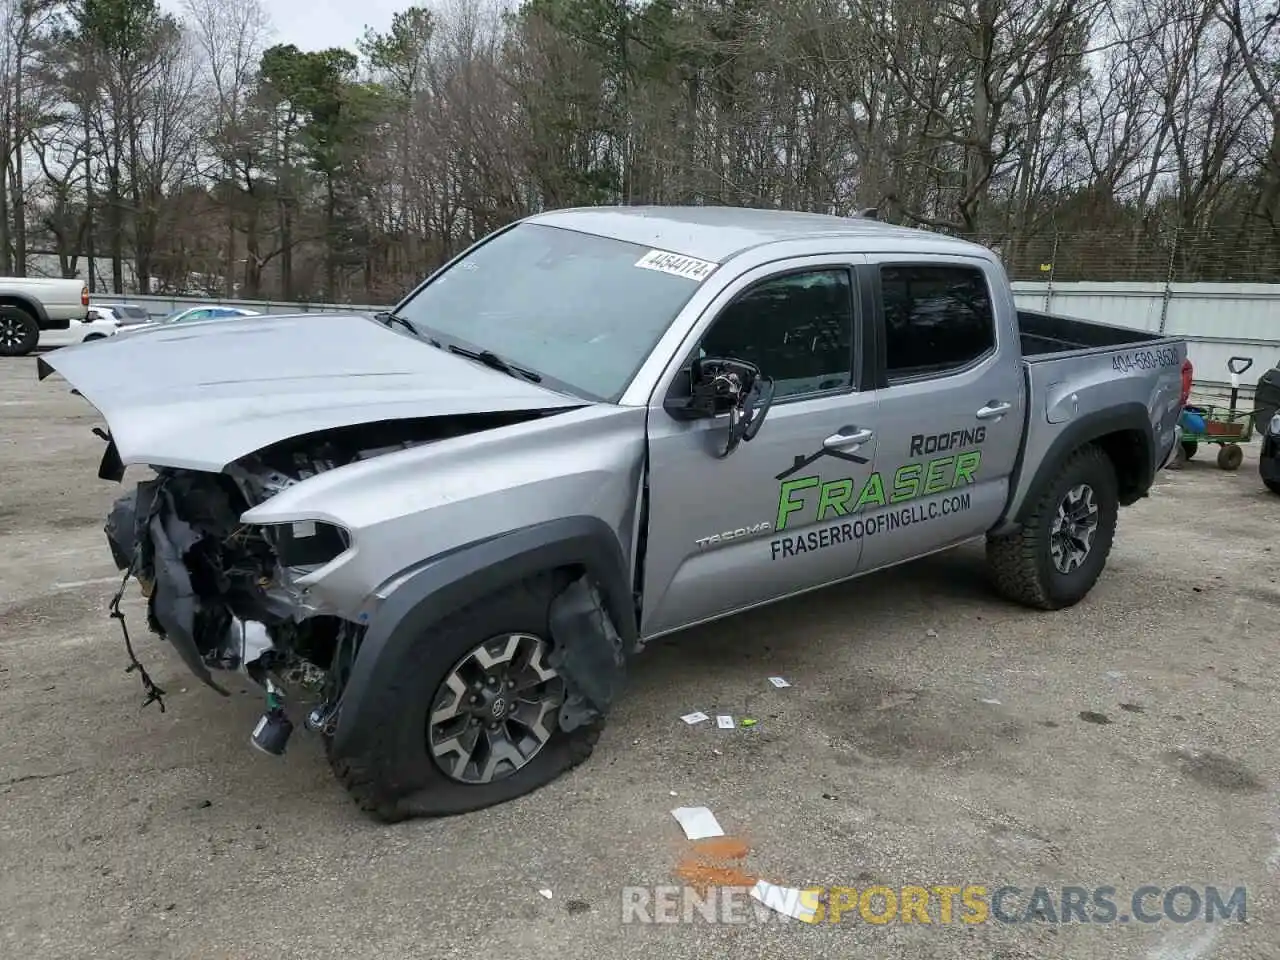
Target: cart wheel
(1189, 448)
(1230, 456)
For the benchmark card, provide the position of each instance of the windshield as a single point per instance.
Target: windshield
(570, 306)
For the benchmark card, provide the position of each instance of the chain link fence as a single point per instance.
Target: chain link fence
(1171, 255)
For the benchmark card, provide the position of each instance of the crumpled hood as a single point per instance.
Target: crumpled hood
(200, 396)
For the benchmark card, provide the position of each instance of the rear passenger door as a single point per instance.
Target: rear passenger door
(950, 390)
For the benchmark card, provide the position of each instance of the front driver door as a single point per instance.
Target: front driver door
(764, 522)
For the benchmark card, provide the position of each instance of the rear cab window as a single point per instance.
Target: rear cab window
(938, 319)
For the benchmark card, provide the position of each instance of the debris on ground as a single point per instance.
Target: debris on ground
(545, 894)
(748, 721)
(724, 722)
(698, 822)
(931, 633)
(779, 682)
(989, 702)
(787, 901)
(696, 717)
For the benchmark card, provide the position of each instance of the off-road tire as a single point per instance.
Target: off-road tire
(30, 330)
(1272, 485)
(1021, 564)
(396, 777)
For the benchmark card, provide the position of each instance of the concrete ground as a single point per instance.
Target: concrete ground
(933, 735)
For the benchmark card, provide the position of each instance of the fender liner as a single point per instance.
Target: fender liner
(450, 581)
(1127, 417)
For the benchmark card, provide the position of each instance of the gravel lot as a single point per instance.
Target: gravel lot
(132, 833)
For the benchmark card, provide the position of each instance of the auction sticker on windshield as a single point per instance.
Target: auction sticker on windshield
(676, 264)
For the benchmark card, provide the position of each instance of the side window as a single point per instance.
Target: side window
(797, 328)
(936, 319)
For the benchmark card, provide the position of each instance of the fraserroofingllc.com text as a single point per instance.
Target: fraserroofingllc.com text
(936, 904)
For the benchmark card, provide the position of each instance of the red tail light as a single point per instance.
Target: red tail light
(84, 296)
(1187, 371)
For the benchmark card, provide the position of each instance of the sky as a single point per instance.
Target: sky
(316, 24)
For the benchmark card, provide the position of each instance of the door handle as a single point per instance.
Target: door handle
(846, 438)
(994, 409)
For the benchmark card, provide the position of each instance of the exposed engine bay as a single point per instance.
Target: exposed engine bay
(222, 592)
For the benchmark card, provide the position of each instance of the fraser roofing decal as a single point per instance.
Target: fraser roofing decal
(940, 442)
(808, 497)
(678, 265)
(856, 529)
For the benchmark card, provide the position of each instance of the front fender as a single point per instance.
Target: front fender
(431, 591)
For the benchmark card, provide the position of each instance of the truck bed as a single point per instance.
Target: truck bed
(1046, 333)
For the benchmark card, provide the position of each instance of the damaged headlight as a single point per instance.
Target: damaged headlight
(304, 546)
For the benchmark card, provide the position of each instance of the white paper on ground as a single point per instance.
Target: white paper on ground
(724, 723)
(696, 717)
(785, 900)
(698, 822)
(779, 682)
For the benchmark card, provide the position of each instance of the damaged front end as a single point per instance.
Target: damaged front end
(223, 592)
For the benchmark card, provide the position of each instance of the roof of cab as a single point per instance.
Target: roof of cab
(719, 233)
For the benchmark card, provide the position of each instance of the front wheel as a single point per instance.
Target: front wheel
(1189, 448)
(472, 719)
(1062, 548)
(1272, 485)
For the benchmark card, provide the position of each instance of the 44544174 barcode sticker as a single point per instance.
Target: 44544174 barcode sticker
(676, 264)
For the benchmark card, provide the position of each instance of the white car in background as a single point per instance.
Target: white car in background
(98, 325)
(129, 314)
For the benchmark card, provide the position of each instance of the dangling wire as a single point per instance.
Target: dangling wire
(154, 693)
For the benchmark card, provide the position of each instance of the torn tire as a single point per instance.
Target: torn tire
(422, 760)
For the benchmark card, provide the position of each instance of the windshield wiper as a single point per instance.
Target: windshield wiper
(491, 359)
(389, 318)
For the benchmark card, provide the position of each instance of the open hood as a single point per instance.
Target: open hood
(200, 396)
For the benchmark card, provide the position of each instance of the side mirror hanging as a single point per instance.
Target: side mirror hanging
(720, 386)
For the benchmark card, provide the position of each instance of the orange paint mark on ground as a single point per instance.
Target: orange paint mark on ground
(722, 848)
(709, 866)
(702, 876)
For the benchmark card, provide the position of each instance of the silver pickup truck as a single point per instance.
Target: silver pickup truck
(31, 305)
(448, 526)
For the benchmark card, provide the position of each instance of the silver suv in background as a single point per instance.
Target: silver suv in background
(454, 522)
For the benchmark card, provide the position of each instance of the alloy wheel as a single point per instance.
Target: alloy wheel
(1073, 530)
(495, 710)
(12, 331)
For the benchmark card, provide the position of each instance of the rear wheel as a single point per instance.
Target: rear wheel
(473, 717)
(1189, 448)
(1273, 485)
(1062, 548)
(19, 332)
(1230, 456)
